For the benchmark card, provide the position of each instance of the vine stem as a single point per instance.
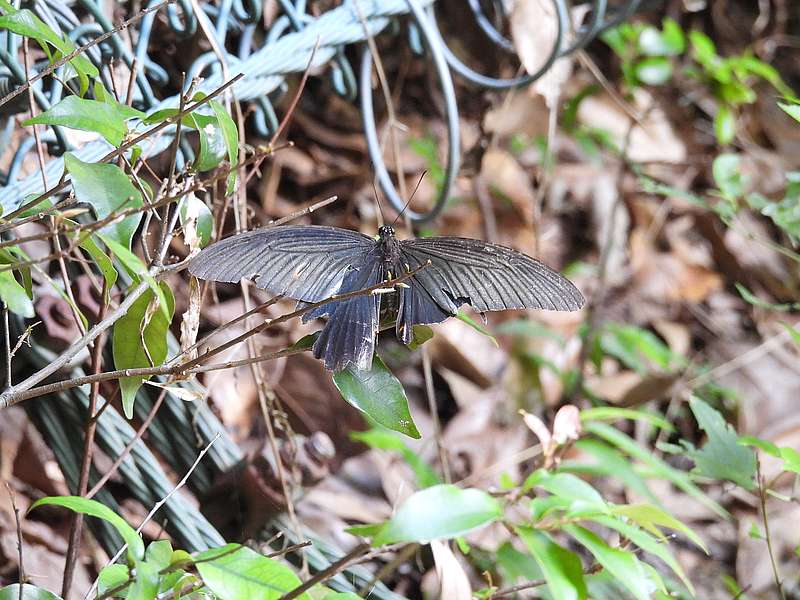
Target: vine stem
(762, 496)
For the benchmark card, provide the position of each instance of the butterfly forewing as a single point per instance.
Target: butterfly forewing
(487, 276)
(304, 262)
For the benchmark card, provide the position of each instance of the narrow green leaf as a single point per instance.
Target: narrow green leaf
(102, 261)
(793, 110)
(420, 335)
(379, 395)
(725, 124)
(138, 343)
(615, 413)
(727, 175)
(231, 137)
(107, 189)
(622, 564)
(721, 457)
(649, 516)
(439, 512)
(791, 460)
(462, 316)
(646, 542)
(763, 445)
(14, 296)
(246, 574)
(89, 115)
(95, 509)
(562, 569)
(658, 467)
(567, 486)
(137, 269)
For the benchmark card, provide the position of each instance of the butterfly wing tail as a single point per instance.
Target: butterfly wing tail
(416, 307)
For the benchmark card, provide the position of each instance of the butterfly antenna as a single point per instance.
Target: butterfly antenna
(410, 198)
(381, 218)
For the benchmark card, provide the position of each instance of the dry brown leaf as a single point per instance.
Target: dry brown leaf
(453, 580)
(654, 140)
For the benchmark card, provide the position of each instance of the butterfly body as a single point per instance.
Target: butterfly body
(312, 263)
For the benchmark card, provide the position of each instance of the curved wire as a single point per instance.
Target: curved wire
(451, 115)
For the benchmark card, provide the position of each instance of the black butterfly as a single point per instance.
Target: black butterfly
(311, 263)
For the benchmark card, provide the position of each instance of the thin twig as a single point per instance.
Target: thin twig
(22, 577)
(7, 340)
(65, 59)
(762, 496)
(328, 572)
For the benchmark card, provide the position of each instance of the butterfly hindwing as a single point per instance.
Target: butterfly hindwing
(304, 262)
(487, 276)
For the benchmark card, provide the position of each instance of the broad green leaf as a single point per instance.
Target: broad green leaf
(657, 466)
(195, 214)
(567, 486)
(145, 585)
(725, 124)
(379, 395)
(649, 517)
(622, 564)
(14, 296)
(245, 574)
(648, 543)
(387, 440)
(159, 553)
(29, 592)
(231, 137)
(614, 413)
(561, 568)
(721, 457)
(89, 115)
(515, 565)
(655, 70)
(420, 334)
(212, 144)
(27, 24)
(791, 460)
(439, 512)
(107, 189)
(111, 577)
(138, 342)
(93, 508)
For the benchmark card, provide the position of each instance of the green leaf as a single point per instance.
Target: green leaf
(138, 343)
(636, 347)
(567, 486)
(195, 213)
(14, 296)
(112, 577)
(145, 585)
(793, 110)
(622, 564)
(727, 175)
(341, 596)
(561, 568)
(649, 517)
(439, 512)
(137, 269)
(721, 457)
(703, 50)
(95, 509)
(657, 466)
(763, 445)
(102, 261)
(159, 553)
(387, 440)
(245, 574)
(29, 592)
(515, 565)
(725, 124)
(462, 316)
(614, 413)
(655, 70)
(791, 460)
(646, 542)
(379, 395)
(751, 298)
(89, 115)
(108, 189)
(212, 143)
(420, 334)
(231, 137)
